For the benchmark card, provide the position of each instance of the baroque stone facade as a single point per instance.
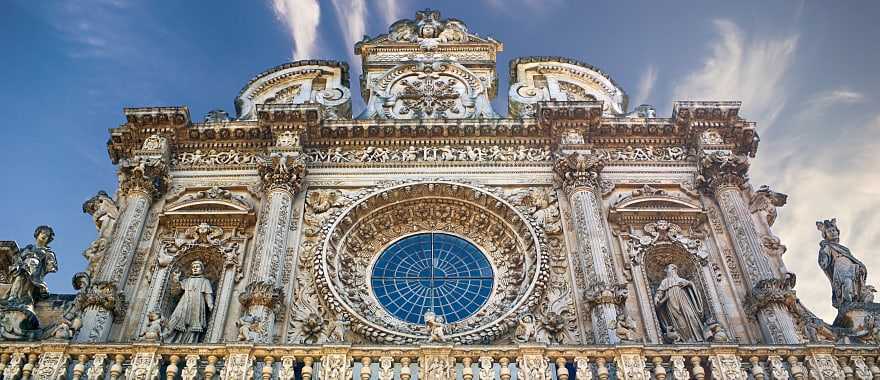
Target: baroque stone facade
(429, 236)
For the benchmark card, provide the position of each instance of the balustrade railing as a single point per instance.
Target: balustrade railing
(437, 362)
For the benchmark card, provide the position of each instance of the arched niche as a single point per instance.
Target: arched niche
(221, 255)
(653, 268)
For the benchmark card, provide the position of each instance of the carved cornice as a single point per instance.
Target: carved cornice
(141, 123)
(262, 293)
(578, 170)
(721, 169)
(282, 171)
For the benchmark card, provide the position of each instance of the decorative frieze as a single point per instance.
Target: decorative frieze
(446, 153)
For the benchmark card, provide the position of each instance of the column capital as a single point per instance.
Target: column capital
(605, 294)
(720, 169)
(282, 170)
(143, 174)
(103, 295)
(261, 293)
(771, 291)
(579, 170)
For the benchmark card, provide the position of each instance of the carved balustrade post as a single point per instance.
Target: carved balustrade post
(142, 179)
(632, 366)
(579, 174)
(282, 173)
(723, 175)
(533, 364)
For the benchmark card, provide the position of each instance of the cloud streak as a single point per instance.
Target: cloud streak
(741, 68)
(301, 17)
(646, 86)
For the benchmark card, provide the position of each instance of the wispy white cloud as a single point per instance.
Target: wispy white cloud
(838, 96)
(351, 15)
(826, 176)
(301, 17)
(389, 9)
(646, 85)
(740, 67)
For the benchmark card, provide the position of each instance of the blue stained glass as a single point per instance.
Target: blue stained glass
(432, 272)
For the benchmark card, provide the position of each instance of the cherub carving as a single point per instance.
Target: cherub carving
(526, 331)
(434, 325)
(249, 328)
(155, 328)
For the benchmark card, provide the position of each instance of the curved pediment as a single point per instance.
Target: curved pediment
(213, 205)
(535, 79)
(648, 203)
(301, 82)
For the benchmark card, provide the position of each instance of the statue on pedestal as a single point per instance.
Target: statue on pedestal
(434, 325)
(679, 306)
(189, 321)
(847, 274)
(28, 269)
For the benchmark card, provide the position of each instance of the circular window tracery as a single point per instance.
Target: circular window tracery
(436, 272)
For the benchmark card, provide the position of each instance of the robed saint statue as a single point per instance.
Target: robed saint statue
(189, 321)
(679, 307)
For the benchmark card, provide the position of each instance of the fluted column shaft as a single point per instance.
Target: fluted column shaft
(723, 175)
(580, 178)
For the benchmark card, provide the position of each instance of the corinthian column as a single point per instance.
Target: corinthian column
(142, 179)
(282, 176)
(580, 180)
(723, 175)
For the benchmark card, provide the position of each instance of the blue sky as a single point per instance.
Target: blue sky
(805, 72)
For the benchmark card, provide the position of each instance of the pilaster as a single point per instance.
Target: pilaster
(723, 175)
(579, 174)
(142, 178)
(281, 174)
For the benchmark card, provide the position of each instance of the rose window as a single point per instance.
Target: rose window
(436, 272)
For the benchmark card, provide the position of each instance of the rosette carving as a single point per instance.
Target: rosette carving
(513, 242)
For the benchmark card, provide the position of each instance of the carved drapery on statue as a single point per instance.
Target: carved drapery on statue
(188, 322)
(846, 273)
(27, 270)
(679, 308)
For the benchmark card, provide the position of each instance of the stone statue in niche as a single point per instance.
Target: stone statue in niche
(847, 274)
(679, 307)
(434, 325)
(189, 320)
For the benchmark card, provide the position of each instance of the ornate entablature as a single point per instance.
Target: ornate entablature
(570, 237)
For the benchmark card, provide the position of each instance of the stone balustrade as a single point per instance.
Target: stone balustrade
(54, 360)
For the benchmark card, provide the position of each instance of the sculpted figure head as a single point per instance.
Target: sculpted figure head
(829, 229)
(44, 235)
(197, 267)
(672, 270)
